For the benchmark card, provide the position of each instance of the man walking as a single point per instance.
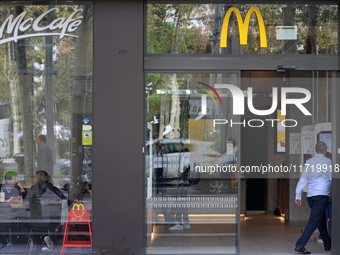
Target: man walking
(317, 171)
(45, 160)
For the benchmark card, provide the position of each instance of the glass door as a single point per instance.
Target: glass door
(192, 186)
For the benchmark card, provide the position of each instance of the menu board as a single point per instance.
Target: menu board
(295, 143)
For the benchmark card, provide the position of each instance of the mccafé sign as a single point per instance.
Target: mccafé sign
(243, 27)
(65, 25)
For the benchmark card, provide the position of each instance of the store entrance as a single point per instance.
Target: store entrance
(254, 154)
(259, 143)
(267, 197)
(201, 153)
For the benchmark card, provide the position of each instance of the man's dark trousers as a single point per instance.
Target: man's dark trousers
(317, 219)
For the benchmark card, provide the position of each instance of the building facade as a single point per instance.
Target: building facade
(168, 121)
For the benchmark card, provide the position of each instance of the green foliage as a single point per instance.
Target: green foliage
(63, 146)
(63, 66)
(171, 29)
(155, 99)
(187, 28)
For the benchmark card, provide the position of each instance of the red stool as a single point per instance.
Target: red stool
(79, 216)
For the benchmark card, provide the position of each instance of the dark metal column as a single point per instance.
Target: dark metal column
(336, 160)
(118, 198)
(336, 156)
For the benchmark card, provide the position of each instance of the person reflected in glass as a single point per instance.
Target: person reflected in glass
(182, 148)
(44, 157)
(179, 209)
(159, 161)
(41, 197)
(12, 189)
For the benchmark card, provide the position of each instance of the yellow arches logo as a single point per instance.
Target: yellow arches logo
(79, 212)
(243, 27)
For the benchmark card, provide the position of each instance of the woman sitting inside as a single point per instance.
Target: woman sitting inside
(13, 190)
(44, 209)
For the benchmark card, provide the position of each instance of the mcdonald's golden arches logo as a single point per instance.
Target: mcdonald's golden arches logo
(78, 213)
(243, 27)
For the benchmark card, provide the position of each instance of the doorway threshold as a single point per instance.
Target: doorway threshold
(255, 212)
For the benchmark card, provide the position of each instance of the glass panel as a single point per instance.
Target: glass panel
(242, 29)
(211, 135)
(191, 206)
(45, 146)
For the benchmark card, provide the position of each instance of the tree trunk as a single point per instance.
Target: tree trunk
(25, 84)
(215, 46)
(15, 113)
(311, 34)
(49, 99)
(175, 109)
(288, 17)
(164, 114)
(12, 80)
(234, 46)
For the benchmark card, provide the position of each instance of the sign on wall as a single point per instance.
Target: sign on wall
(243, 27)
(58, 27)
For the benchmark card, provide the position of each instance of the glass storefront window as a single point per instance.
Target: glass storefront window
(191, 206)
(45, 126)
(242, 29)
(211, 135)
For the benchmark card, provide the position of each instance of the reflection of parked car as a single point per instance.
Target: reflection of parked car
(20, 159)
(8, 165)
(185, 166)
(177, 164)
(86, 174)
(65, 167)
(223, 181)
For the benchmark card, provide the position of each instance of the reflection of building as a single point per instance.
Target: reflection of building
(60, 132)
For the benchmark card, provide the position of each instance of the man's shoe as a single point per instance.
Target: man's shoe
(328, 248)
(318, 239)
(45, 249)
(177, 227)
(302, 250)
(187, 226)
(31, 244)
(49, 242)
(8, 243)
